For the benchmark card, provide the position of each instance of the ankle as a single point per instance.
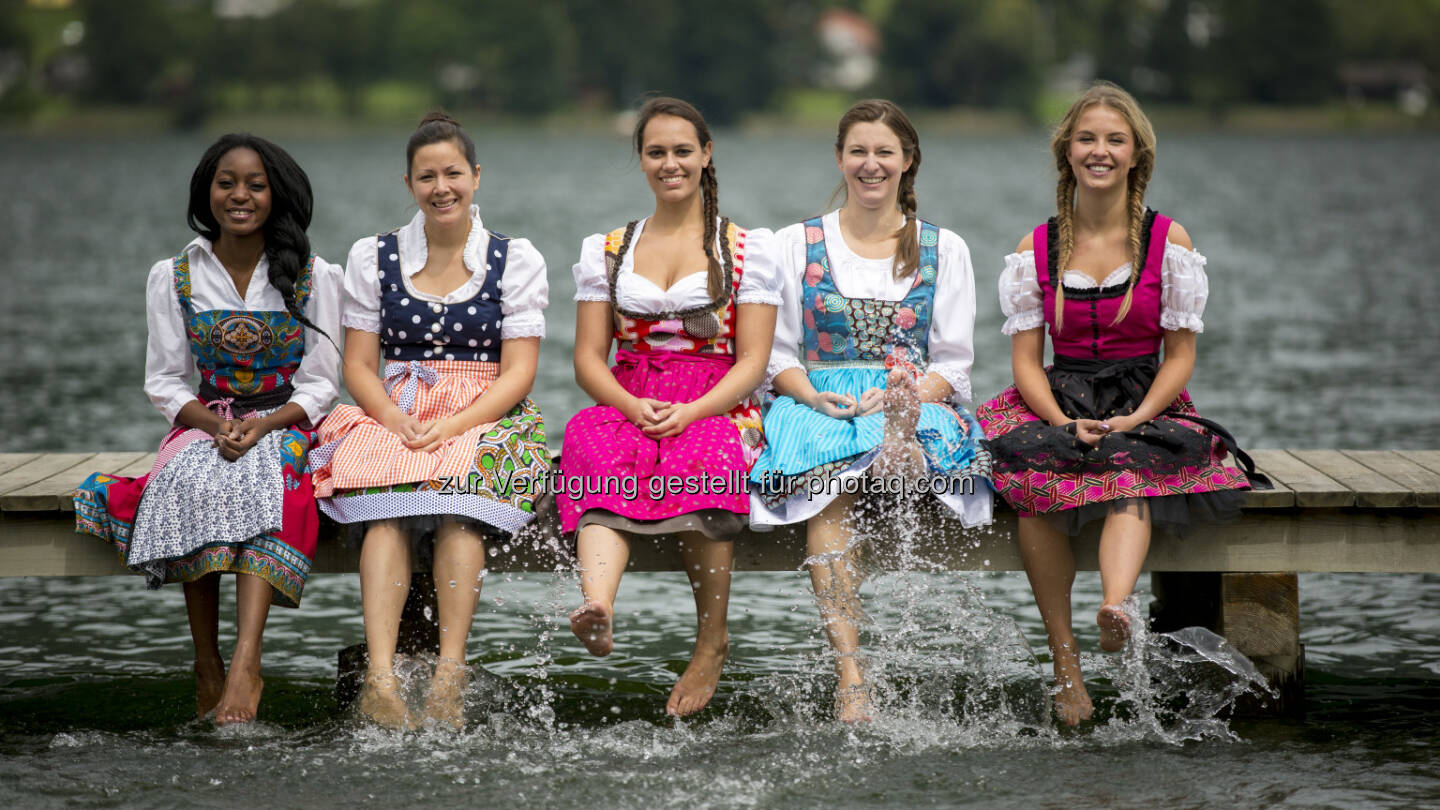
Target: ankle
(716, 644)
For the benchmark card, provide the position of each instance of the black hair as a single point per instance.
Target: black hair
(291, 204)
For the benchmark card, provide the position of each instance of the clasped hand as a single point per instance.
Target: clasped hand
(1091, 431)
(844, 406)
(235, 437)
(423, 436)
(659, 419)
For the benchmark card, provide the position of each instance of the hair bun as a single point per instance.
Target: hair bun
(437, 115)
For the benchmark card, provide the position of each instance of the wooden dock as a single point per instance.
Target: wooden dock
(1331, 510)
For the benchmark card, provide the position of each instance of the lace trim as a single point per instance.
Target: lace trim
(959, 380)
(1172, 319)
(1023, 322)
(760, 296)
(361, 321)
(773, 370)
(522, 330)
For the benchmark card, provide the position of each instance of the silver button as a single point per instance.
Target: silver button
(436, 308)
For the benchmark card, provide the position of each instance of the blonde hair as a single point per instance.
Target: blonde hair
(1143, 165)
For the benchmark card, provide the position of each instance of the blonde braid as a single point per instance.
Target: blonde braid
(1137, 250)
(1064, 239)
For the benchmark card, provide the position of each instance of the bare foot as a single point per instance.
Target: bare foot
(380, 701)
(852, 694)
(209, 684)
(241, 698)
(1072, 702)
(1114, 628)
(697, 683)
(900, 454)
(445, 703)
(591, 624)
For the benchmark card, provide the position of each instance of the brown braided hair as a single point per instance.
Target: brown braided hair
(716, 277)
(884, 111)
(1142, 167)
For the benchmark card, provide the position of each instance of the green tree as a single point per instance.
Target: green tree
(945, 52)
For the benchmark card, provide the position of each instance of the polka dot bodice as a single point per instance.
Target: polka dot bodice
(412, 329)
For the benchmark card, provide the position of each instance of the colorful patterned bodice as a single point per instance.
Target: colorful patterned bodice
(242, 353)
(864, 331)
(706, 329)
(1090, 328)
(411, 329)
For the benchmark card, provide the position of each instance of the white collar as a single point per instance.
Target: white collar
(414, 248)
(200, 246)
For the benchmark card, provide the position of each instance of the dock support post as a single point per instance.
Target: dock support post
(419, 633)
(1259, 614)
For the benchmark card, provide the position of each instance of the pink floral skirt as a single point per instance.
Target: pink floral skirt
(608, 464)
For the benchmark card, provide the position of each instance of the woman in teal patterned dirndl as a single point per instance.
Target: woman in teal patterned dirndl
(872, 354)
(251, 308)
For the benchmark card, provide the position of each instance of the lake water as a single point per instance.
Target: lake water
(1320, 333)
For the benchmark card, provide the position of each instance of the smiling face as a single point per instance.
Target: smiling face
(672, 158)
(240, 193)
(1102, 148)
(443, 182)
(872, 159)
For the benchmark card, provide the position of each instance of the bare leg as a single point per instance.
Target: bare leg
(384, 583)
(1124, 542)
(900, 453)
(243, 684)
(1050, 565)
(707, 564)
(836, 580)
(202, 608)
(459, 559)
(602, 554)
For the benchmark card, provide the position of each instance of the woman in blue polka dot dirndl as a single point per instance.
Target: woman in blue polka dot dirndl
(443, 321)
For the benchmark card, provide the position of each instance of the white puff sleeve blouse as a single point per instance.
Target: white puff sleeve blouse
(169, 365)
(524, 288)
(952, 323)
(1184, 288)
(759, 282)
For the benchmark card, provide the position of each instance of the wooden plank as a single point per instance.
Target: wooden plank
(1311, 487)
(1306, 540)
(138, 467)
(9, 461)
(1429, 459)
(1278, 496)
(46, 465)
(1423, 484)
(1371, 488)
(57, 491)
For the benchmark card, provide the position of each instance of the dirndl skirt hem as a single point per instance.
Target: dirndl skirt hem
(716, 524)
(973, 503)
(811, 457)
(107, 506)
(1172, 463)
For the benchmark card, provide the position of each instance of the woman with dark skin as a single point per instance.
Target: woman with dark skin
(250, 306)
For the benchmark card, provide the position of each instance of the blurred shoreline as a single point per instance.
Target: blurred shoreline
(1332, 118)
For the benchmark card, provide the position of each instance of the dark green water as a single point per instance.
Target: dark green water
(1320, 333)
